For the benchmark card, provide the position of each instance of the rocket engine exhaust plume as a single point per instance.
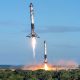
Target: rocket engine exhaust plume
(33, 40)
(46, 67)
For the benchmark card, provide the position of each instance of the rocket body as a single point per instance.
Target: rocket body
(32, 34)
(32, 17)
(45, 53)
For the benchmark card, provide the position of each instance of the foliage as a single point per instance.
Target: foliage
(39, 75)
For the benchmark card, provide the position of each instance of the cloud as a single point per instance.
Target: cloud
(58, 29)
(10, 23)
(47, 29)
(66, 46)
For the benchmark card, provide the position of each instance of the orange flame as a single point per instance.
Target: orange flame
(46, 67)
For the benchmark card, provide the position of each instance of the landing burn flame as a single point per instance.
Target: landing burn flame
(46, 67)
(33, 40)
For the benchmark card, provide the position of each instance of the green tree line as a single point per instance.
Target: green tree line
(40, 75)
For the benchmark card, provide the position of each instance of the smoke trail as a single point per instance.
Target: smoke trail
(33, 40)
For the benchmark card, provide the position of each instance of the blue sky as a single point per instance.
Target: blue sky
(56, 21)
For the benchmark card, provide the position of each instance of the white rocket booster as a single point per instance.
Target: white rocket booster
(32, 14)
(45, 52)
(32, 34)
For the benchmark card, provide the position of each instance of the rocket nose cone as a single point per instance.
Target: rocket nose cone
(31, 4)
(44, 41)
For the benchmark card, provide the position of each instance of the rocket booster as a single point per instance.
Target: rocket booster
(32, 34)
(45, 52)
(32, 15)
